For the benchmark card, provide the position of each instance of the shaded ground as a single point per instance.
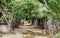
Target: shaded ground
(26, 32)
(22, 36)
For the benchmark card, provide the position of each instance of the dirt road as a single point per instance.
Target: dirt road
(26, 34)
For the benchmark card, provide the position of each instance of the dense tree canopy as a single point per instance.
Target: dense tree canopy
(26, 9)
(29, 9)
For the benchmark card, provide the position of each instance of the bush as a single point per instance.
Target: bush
(58, 35)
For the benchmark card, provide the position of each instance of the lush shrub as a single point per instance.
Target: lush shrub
(58, 35)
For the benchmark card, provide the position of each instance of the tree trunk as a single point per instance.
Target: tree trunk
(11, 22)
(16, 23)
(52, 27)
(33, 21)
(42, 22)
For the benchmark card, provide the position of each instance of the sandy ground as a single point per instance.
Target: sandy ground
(18, 33)
(22, 36)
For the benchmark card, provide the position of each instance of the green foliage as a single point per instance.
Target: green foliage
(24, 8)
(27, 9)
(58, 35)
(53, 9)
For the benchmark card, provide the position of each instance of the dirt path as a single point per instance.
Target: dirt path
(25, 32)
